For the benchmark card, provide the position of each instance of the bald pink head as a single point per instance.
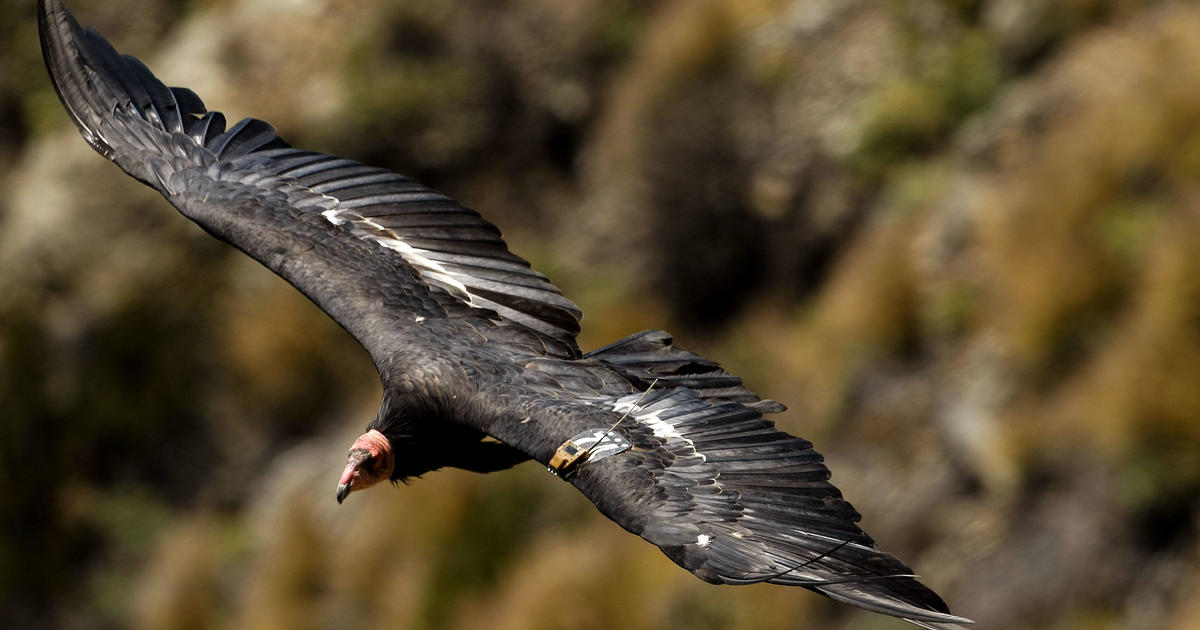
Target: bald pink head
(370, 462)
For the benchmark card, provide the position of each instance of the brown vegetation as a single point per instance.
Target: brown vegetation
(959, 239)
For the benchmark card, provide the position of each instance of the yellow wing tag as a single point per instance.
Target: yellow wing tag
(588, 446)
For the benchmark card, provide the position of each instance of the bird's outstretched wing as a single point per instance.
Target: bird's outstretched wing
(372, 248)
(708, 480)
(712, 482)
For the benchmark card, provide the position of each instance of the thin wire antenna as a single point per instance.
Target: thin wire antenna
(823, 555)
(571, 453)
(855, 579)
(635, 405)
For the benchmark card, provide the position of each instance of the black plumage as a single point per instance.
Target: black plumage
(471, 342)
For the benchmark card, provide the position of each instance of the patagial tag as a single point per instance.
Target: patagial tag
(588, 446)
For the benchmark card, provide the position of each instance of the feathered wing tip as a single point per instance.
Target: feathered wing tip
(122, 110)
(733, 499)
(962, 623)
(936, 617)
(71, 60)
(166, 138)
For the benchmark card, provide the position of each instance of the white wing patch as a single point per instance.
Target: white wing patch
(660, 427)
(431, 269)
(334, 215)
(703, 540)
(448, 246)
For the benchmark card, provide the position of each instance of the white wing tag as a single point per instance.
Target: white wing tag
(591, 445)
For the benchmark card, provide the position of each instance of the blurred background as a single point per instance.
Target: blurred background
(959, 238)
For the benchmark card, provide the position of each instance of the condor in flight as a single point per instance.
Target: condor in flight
(470, 342)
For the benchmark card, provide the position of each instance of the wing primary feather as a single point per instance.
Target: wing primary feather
(106, 58)
(806, 563)
(158, 99)
(357, 181)
(189, 102)
(334, 171)
(219, 143)
(423, 195)
(294, 166)
(208, 128)
(247, 136)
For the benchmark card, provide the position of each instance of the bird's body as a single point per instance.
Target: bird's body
(471, 344)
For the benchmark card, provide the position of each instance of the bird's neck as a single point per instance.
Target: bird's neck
(424, 436)
(400, 420)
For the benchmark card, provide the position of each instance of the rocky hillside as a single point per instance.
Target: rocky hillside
(960, 239)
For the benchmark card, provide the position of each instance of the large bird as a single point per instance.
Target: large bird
(471, 343)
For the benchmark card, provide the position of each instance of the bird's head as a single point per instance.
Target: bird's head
(370, 462)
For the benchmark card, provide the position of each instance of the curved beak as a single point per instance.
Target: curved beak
(354, 461)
